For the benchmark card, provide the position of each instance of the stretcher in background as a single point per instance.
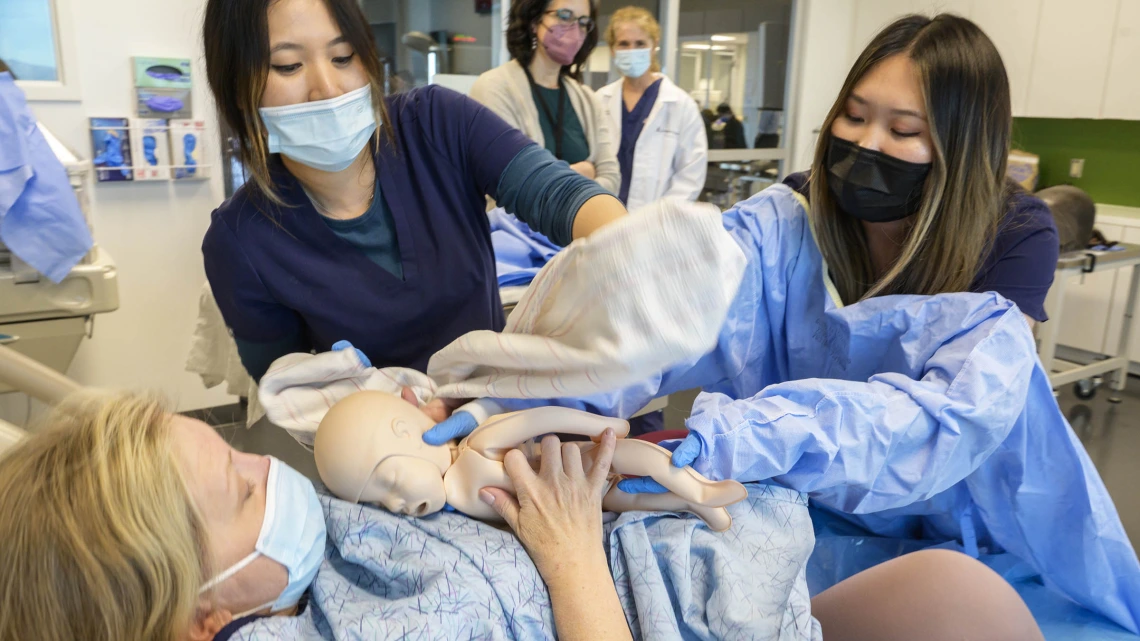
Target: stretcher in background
(23, 374)
(1087, 378)
(44, 320)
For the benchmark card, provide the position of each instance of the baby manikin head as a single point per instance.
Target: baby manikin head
(369, 448)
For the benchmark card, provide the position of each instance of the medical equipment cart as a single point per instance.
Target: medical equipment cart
(1088, 377)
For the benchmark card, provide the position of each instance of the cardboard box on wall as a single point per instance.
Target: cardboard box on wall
(162, 73)
(150, 148)
(111, 149)
(187, 142)
(1024, 168)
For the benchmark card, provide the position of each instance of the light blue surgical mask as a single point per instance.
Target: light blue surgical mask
(293, 534)
(325, 134)
(633, 63)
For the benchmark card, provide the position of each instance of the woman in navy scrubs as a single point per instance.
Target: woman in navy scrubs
(363, 218)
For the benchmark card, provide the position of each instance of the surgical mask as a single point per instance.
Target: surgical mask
(562, 42)
(633, 63)
(871, 185)
(293, 534)
(326, 134)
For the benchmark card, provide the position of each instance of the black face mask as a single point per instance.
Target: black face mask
(871, 185)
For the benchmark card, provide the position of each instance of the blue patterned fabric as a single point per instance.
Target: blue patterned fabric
(451, 577)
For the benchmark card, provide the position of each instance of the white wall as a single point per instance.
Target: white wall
(823, 65)
(153, 230)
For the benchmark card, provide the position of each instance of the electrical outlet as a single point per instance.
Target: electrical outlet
(1076, 167)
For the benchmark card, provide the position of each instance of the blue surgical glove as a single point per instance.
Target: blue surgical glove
(459, 425)
(340, 346)
(685, 451)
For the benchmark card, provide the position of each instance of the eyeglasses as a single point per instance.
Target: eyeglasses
(567, 17)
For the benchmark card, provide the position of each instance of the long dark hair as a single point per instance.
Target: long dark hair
(525, 16)
(966, 92)
(236, 39)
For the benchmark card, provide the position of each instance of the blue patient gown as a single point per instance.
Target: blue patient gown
(40, 219)
(520, 252)
(915, 416)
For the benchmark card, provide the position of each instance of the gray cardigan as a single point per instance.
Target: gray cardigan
(506, 91)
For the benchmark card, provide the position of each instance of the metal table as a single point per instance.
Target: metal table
(1072, 265)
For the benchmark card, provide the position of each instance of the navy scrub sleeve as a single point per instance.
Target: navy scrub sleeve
(286, 282)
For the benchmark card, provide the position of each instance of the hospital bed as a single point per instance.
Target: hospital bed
(44, 320)
(23, 374)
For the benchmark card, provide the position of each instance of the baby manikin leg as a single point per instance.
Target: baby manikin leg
(717, 518)
(689, 491)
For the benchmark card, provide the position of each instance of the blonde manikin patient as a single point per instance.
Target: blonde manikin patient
(369, 449)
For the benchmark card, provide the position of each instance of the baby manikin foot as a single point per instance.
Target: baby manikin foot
(717, 518)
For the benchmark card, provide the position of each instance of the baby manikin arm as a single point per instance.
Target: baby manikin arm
(500, 434)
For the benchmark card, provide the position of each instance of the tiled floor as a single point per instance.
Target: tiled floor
(1111, 434)
(1110, 431)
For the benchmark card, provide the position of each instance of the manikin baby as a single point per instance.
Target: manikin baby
(369, 448)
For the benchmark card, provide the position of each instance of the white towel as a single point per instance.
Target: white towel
(214, 356)
(642, 294)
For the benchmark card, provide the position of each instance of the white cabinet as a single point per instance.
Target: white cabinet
(1070, 62)
(872, 15)
(1065, 59)
(1012, 25)
(1122, 93)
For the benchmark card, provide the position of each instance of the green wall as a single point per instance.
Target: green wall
(1111, 149)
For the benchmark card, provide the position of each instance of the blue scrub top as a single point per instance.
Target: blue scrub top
(632, 122)
(278, 272)
(1022, 258)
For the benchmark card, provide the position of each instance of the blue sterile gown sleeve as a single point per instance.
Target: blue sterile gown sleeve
(913, 415)
(40, 219)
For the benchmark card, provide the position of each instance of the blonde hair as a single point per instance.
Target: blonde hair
(641, 18)
(99, 538)
(966, 93)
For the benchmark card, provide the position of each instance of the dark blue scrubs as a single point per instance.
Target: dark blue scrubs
(1023, 257)
(632, 122)
(287, 276)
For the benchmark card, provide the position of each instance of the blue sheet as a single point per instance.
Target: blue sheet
(519, 251)
(40, 218)
(451, 577)
(916, 416)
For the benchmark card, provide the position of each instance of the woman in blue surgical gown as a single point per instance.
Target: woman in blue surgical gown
(879, 354)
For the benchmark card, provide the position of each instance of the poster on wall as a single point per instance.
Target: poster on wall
(111, 149)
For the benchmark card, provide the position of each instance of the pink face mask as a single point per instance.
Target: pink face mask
(562, 42)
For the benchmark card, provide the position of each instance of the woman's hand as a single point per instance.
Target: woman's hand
(558, 518)
(586, 168)
(558, 512)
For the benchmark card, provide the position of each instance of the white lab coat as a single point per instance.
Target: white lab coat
(672, 153)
